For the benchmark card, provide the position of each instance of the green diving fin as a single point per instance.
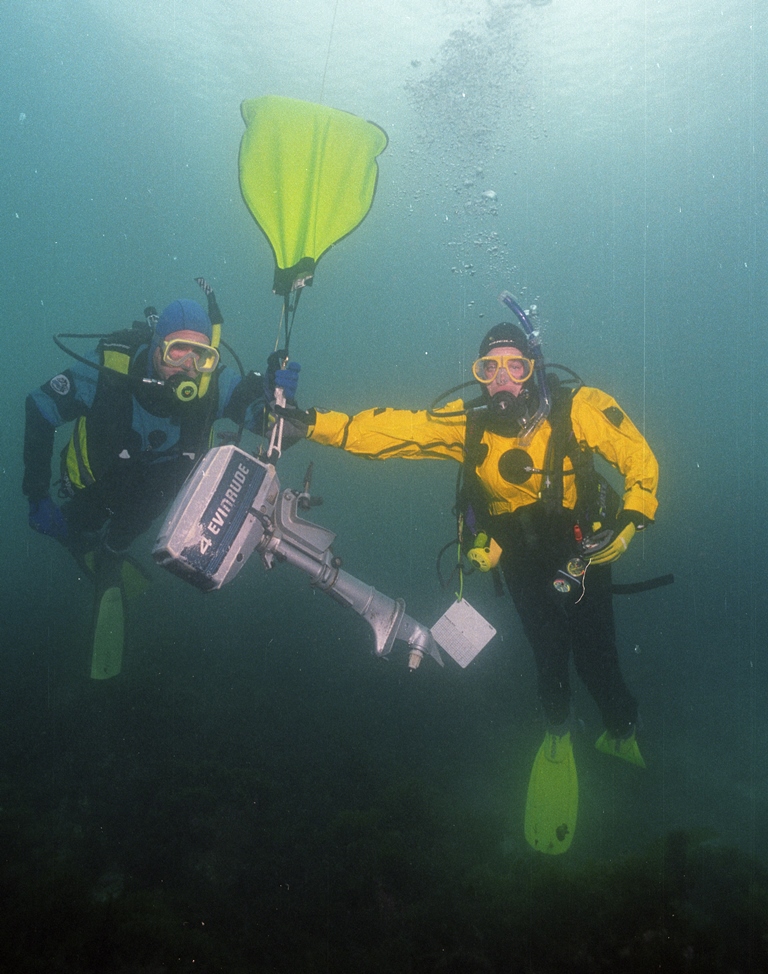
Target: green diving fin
(308, 175)
(553, 796)
(621, 747)
(117, 582)
(108, 633)
(134, 579)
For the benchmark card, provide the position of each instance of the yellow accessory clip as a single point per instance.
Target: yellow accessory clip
(484, 553)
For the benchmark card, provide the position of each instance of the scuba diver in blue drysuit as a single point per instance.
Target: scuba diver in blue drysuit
(144, 402)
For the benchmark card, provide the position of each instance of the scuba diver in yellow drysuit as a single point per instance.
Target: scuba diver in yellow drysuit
(541, 513)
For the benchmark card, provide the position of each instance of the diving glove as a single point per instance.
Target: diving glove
(626, 527)
(283, 376)
(298, 422)
(46, 518)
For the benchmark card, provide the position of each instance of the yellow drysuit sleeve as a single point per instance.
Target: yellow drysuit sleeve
(601, 425)
(383, 433)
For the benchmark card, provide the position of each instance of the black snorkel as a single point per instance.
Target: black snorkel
(530, 426)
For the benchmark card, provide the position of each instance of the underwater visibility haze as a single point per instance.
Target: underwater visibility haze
(256, 791)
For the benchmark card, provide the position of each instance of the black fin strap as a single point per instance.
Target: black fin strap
(648, 585)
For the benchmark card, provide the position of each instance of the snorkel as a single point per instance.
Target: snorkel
(217, 320)
(528, 426)
(534, 348)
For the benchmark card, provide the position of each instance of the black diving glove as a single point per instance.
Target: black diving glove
(298, 422)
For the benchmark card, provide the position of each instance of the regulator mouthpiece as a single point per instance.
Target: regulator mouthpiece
(185, 390)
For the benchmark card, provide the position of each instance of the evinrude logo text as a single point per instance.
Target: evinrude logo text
(228, 500)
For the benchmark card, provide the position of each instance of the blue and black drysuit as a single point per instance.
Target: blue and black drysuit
(133, 445)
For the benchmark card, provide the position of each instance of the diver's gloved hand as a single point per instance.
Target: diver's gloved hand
(46, 518)
(283, 377)
(626, 527)
(287, 379)
(297, 421)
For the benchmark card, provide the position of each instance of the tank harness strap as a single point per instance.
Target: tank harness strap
(75, 467)
(117, 352)
(119, 349)
(560, 445)
(595, 498)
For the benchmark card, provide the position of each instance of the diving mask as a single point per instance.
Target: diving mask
(518, 368)
(179, 353)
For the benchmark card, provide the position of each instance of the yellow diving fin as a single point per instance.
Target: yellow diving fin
(553, 796)
(621, 747)
(134, 579)
(117, 582)
(108, 633)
